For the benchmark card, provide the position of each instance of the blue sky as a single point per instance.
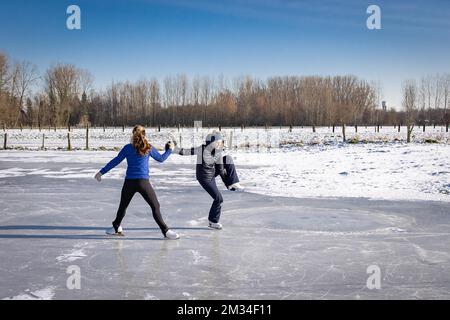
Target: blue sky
(128, 40)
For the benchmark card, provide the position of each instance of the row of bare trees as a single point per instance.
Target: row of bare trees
(433, 97)
(426, 100)
(64, 95)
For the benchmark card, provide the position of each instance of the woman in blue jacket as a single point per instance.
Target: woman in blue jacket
(137, 154)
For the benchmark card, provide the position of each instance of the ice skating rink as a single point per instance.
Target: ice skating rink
(53, 215)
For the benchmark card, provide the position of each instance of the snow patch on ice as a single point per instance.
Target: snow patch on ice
(71, 256)
(197, 258)
(149, 296)
(198, 222)
(42, 294)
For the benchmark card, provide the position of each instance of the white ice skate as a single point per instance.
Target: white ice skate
(236, 187)
(214, 225)
(171, 235)
(113, 232)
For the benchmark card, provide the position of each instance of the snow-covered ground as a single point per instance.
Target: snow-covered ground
(396, 171)
(257, 139)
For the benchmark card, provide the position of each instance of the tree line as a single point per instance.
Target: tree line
(65, 95)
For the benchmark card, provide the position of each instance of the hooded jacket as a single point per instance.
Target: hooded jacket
(209, 160)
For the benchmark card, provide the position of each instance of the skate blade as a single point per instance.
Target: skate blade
(118, 234)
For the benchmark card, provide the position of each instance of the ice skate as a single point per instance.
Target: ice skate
(115, 232)
(215, 225)
(171, 235)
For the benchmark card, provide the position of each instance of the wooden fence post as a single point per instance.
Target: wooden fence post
(5, 138)
(87, 136)
(69, 145)
(43, 141)
(343, 133)
(409, 130)
(230, 143)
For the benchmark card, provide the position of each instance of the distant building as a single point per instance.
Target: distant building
(384, 105)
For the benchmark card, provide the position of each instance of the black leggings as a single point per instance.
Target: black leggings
(143, 186)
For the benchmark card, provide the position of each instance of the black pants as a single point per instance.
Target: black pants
(210, 186)
(143, 186)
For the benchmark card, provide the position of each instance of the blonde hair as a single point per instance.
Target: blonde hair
(139, 141)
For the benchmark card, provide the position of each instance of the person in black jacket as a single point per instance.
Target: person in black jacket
(212, 162)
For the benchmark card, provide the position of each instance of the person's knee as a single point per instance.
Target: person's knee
(227, 160)
(218, 198)
(154, 205)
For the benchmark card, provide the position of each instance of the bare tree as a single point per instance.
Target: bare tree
(85, 80)
(196, 90)
(410, 104)
(4, 72)
(154, 98)
(25, 74)
(61, 82)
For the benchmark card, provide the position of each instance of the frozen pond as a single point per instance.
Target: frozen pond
(53, 215)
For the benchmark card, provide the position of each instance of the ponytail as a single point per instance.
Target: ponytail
(139, 141)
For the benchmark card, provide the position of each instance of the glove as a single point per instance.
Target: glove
(169, 145)
(98, 176)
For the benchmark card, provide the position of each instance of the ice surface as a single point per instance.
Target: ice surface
(53, 215)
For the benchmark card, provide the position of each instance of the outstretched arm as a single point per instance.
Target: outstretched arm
(158, 156)
(187, 151)
(114, 162)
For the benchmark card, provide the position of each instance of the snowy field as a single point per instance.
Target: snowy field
(250, 139)
(315, 216)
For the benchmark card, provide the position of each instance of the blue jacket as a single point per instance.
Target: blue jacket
(137, 164)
